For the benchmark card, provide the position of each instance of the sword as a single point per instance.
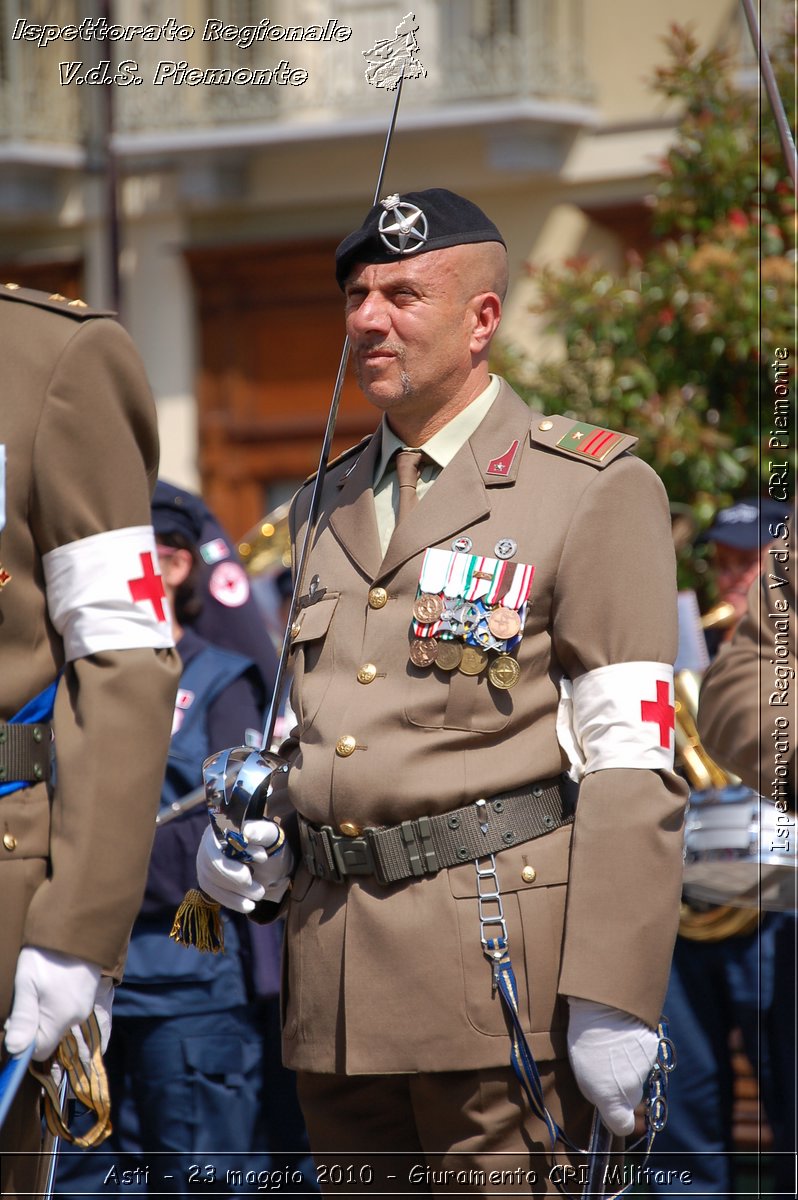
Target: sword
(315, 500)
(238, 781)
(769, 80)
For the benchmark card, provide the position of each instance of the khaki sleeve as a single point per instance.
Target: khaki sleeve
(615, 602)
(96, 450)
(112, 723)
(95, 462)
(747, 709)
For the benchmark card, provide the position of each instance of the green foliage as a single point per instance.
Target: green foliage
(675, 347)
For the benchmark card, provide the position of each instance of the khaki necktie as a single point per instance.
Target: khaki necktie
(408, 468)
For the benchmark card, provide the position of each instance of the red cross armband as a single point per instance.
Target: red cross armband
(622, 715)
(105, 592)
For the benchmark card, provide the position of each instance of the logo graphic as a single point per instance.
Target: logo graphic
(391, 59)
(407, 222)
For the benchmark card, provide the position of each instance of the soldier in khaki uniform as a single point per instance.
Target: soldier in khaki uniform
(87, 661)
(748, 692)
(461, 642)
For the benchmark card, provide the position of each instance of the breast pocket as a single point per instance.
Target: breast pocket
(453, 700)
(313, 657)
(533, 878)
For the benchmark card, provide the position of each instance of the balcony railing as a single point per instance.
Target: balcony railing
(472, 51)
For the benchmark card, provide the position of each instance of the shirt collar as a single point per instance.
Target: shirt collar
(444, 444)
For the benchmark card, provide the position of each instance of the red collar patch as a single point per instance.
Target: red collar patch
(502, 464)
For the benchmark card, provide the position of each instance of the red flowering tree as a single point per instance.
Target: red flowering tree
(676, 346)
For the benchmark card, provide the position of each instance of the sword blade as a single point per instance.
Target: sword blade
(315, 500)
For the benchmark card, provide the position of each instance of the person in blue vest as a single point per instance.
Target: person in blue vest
(184, 1061)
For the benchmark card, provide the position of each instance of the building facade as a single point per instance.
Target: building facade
(238, 141)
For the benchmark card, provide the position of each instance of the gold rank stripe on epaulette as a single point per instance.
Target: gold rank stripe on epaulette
(79, 310)
(577, 439)
(342, 457)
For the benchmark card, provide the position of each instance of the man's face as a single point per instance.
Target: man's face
(735, 571)
(410, 324)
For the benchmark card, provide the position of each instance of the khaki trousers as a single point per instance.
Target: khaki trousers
(446, 1132)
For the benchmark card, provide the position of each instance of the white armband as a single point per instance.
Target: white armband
(105, 592)
(622, 715)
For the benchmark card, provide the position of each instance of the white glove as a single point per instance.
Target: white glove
(103, 1004)
(611, 1054)
(240, 885)
(52, 992)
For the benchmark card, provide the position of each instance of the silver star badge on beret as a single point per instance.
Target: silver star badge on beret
(409, 225)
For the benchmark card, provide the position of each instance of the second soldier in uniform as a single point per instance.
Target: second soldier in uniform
(466, 641)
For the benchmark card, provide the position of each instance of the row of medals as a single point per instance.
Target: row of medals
(470, 631)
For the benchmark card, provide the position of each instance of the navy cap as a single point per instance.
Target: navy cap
(745, 525)
(230, 617)
(177, 511)
(412, 224)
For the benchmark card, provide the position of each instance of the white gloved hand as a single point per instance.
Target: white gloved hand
(103, 1003)
(240, 885)
(52, 992)
(611, 1054)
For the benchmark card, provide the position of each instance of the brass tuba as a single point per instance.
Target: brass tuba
(702, 773)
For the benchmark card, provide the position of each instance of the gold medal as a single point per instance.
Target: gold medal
(427, 608)
(504, 623)
(423, 651)
(473, 661)
(504, 672)
(449, 655)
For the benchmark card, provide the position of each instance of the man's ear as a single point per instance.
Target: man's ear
(487, 315)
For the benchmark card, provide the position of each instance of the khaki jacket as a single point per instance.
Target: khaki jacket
(79, 431)
(387, 979)
(747, 711)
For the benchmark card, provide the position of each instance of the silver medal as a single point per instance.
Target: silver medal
(505, 548)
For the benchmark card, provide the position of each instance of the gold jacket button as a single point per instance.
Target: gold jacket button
(367, 673)
(9, 841)
(295, 628)
(345, 746)
(378, 597)
(529, 874)
(545, 426)
(350, 829)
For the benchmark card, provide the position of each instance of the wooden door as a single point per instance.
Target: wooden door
(271, 332)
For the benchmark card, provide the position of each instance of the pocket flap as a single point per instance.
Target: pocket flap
(314, 621)
(548, 856)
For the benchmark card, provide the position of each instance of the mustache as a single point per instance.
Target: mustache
(390, 347)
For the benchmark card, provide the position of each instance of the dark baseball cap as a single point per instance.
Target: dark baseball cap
(412, 224)
(746, 524)
(177, 511)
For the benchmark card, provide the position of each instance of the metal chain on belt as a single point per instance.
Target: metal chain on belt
(495, 947)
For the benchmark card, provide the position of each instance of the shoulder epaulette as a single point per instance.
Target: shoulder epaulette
(577, 439)
(79, 310)
(342, 457)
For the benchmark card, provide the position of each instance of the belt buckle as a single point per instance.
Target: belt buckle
(313, 852)
(352, 855)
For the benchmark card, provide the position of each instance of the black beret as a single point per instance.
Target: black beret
(177, 511)
(413, 224)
